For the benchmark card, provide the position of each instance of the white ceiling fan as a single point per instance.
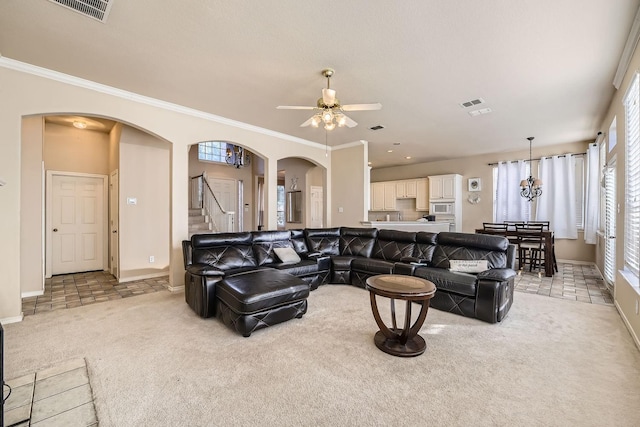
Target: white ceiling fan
(329, 110)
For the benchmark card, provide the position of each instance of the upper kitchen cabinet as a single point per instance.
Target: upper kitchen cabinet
(406, 189)
(383, 196)
(445, 187)
(422, 200)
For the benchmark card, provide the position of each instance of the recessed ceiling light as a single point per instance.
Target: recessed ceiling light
(408, 157)
(389, 151)
(79, 124)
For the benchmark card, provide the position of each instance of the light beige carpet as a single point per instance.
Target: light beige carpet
(153, 362)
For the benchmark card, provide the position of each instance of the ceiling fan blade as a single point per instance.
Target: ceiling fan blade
(307, 122)
(349, 122)
(362, 107)
(329, 97)
(294, 107)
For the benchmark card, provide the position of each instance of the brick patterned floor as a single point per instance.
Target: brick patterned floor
(74, 290)
(575, 282)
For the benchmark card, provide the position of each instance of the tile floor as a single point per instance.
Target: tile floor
(57, 396)
(575, 282)
(74, 290)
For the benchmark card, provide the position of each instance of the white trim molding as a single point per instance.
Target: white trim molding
(12, 64)
(627, 52)
(14, 319)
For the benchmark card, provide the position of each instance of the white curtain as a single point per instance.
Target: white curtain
(592, 195)
(510, 206)
(557, 204)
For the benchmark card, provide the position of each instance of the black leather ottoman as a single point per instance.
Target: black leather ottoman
(256, 299)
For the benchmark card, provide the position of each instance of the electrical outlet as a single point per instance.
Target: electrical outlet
(152, 259)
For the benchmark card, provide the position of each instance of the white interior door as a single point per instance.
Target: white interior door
(77, 223)
(113, 223)
(317, 206)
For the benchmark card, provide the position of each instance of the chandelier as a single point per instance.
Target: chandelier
(531, 187)
(235, 156)
(330, 118)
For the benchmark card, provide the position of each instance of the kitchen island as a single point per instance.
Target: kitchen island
(430, 226)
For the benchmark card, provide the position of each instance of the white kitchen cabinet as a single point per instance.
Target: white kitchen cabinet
(422, 199)
(383, 196)
(406, 189)
(445, 187)
(389, 196)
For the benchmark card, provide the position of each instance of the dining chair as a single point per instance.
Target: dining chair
(511, 225)
(494, 226)
(530, 243)
(545, 227)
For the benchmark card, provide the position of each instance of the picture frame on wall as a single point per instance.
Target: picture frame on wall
(475, 184)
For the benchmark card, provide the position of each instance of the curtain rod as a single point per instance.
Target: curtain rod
(543, 157)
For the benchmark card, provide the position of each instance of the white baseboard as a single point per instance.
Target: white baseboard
(628, 325)
(31, 294)
(14, 319)
(176, 288)
(143, 276)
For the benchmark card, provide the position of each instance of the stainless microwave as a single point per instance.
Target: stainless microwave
(441, 208)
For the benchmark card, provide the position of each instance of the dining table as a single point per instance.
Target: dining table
(547, 235)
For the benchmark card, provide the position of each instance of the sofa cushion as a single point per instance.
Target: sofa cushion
(445, 280)
(287, 255)
(357, 241)
(372, 266)
(392, 245)
(224, 251)
(262, 289)
(299, 242)
(323, 240)
(264, 243)
(302, 268)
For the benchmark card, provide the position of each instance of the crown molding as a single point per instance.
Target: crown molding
(627, 52)
(46, 73)
(350, 144)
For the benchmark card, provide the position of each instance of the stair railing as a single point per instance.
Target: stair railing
(220, 220)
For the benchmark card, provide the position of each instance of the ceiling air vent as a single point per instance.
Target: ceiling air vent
(472, 103)
(96, 9)
(376, 127)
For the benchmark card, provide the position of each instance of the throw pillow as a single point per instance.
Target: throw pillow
(469, 266)
(287, 255)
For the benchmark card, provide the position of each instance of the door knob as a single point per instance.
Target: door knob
(55, 230)
(114, 231)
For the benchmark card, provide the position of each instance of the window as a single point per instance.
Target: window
(280, 205)
(526, 213)
(632, 180)
(212, 151)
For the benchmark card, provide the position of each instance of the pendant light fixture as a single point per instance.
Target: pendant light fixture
(531, 187)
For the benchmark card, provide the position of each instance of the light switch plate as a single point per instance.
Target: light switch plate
(132, 201)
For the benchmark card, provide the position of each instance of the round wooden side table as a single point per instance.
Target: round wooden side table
(403, 342)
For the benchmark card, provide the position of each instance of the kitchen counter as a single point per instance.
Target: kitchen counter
(430, 226)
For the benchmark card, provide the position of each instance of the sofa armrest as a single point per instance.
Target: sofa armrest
(495, 294)
(204, 270)
(324, 263)
(498, 274)
(186, 253)
(310, 255)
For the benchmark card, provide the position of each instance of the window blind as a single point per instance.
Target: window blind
(610, 223)
(632, 179)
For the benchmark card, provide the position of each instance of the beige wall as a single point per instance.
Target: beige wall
(349, 175)
(627, 292)
(30, 91)
(69, 149)
(478, 167)
(31, 216)
(144, 227)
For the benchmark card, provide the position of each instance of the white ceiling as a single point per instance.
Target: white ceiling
(545, 67)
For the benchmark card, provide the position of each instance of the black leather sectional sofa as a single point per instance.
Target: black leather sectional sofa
(228, 274)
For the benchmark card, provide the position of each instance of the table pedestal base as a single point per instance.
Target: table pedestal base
(415, 345)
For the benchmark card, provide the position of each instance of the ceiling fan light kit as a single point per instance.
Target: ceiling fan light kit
(329, 111)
